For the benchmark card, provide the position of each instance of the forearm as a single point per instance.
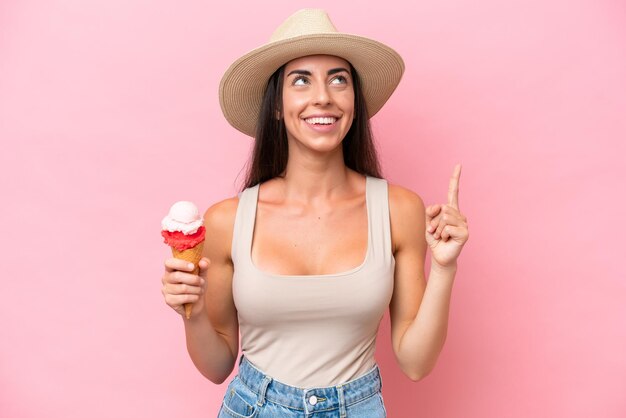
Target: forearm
(208, 349)
(423, 340)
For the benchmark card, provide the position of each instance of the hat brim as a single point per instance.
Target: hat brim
(241, 90)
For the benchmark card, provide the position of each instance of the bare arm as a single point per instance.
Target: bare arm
(425, 336)
(209, 350)
(418, 311)
(212, 332)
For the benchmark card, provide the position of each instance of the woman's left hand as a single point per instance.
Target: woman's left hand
(446, 227)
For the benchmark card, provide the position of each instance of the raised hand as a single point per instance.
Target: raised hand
(446, 226)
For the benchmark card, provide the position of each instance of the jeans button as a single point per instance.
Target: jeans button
(313, 400)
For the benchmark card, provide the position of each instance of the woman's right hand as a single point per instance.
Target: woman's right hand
(180, 286)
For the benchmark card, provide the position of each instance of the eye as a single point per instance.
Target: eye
(342, 79)
(297, 79)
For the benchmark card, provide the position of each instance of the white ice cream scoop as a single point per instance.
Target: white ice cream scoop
(183, 217)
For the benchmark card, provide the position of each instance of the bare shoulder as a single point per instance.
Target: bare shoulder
(222, 211)
(406, 212)
(219, 221)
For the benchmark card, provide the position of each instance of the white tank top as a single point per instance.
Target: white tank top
(313, 330)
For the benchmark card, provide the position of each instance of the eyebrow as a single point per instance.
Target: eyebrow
(330, 72)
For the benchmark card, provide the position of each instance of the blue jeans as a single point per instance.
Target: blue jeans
(252, 393)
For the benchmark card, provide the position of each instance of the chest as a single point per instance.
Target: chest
(292, 241)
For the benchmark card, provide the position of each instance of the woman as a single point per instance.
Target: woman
(307, 258)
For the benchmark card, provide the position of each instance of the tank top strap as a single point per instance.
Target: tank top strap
(379, 221)
(244, 222)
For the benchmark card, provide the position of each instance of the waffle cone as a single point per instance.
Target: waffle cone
(193, 255)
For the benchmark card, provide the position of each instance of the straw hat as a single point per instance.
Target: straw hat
(306, 32)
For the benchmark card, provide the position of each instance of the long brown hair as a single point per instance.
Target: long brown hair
(270, 154)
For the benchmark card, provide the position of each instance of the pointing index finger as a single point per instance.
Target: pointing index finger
(453, 190)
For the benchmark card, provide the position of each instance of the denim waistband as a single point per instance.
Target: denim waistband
(309, 399)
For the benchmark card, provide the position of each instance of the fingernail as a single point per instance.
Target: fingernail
(190, 266)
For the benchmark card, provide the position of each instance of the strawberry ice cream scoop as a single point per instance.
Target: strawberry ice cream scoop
(182, 227)
(181, 241)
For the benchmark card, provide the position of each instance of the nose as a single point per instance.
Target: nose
(322, 96)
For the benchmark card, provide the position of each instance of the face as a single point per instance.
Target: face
(318, 101)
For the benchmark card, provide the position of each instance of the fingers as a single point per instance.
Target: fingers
(203, 265)
(446, 232)
(173, 264)
(176, 264)
(450, 231)
(453, 189)
(438, 216)
(177, 280)
(180, 300)
(444, 220)
(182, 287)
(432, 211)
(446, 215)
(180, 277)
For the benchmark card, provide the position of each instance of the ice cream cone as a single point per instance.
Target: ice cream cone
(193, 255)
(183, 231)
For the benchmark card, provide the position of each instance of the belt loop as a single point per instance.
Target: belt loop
(342, 402)
(266, 381)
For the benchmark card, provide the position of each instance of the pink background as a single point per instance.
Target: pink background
(109, 113)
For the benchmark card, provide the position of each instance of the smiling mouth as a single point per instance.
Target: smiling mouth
(321, 121)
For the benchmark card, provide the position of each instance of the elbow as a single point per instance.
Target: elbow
(411, 371)
(417, 375)
(215, 376)
(216, 379)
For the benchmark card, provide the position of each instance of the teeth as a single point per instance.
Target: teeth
(321, 121)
